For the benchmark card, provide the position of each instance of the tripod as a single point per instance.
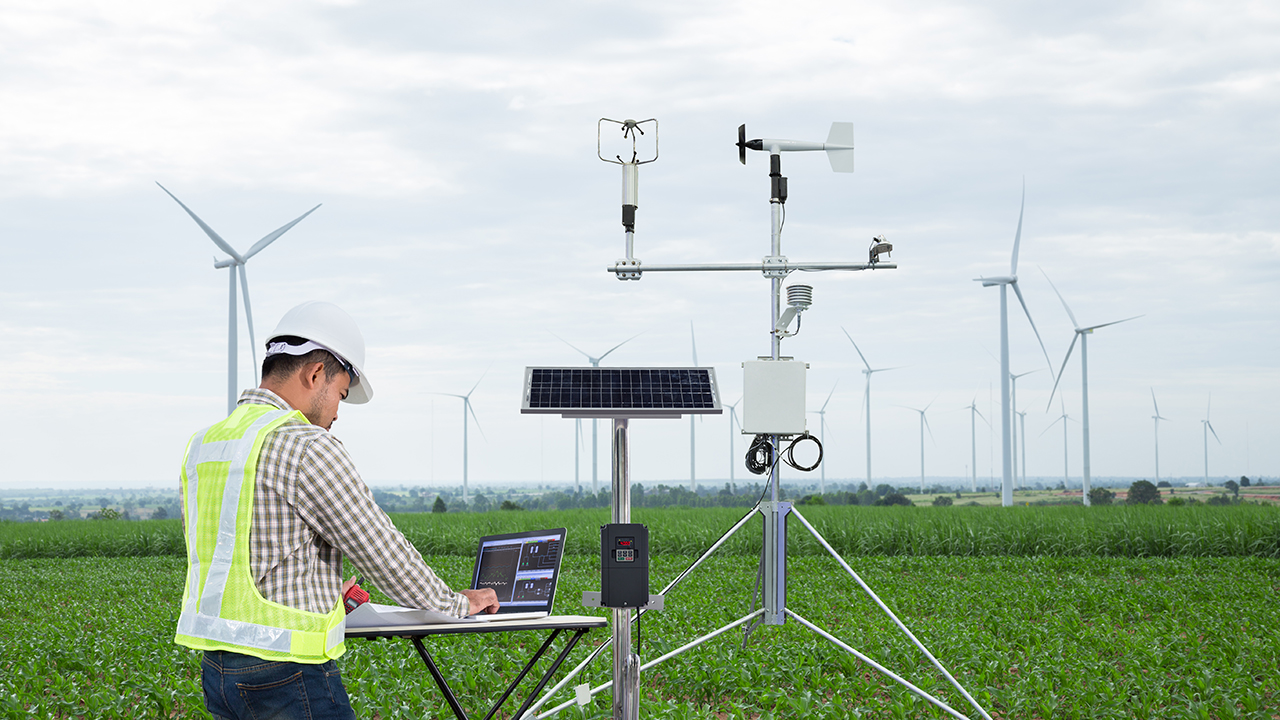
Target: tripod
(774, 512)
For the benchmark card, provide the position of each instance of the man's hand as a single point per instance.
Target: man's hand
(485, 600)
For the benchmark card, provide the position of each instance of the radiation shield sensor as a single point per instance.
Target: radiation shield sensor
(635, 392)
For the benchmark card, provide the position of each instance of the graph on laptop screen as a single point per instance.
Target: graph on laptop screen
(521, 570)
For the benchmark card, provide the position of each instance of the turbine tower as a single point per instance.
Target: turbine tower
(822, 437)
(595, 438)
(236, 266)
(1006, 409)
(1066, 478)
(973, 439)
(1208, 428)
(1013, 402)
(866, 396)
(1157, 418)
(924, 423)
(1082, 334)
(466, 408)
(733, 420)
(1022, 435)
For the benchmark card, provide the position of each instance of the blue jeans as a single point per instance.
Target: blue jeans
(242, 687)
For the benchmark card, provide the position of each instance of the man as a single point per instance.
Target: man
(271, 504)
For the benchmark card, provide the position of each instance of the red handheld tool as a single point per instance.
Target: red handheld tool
(355, 596)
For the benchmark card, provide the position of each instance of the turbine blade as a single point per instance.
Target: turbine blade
(1017, 291)
(575, 347)
(926, 427)
(467, 402)
(1050, 427)
(1064, 367)
(473, 387)
(258, 246)
(615, 347)
(833, 392)
(215, 237)
(1066, 307)
(855, 347)
(1154, 403)
(1116, 322)
(248, 317)
(1017, 238)
(693, 341)
(1215, 432)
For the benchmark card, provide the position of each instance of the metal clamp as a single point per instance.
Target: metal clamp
(627, 269)
(591, 599)
(775, 266)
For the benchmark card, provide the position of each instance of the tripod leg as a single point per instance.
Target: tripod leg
(926, 696)
(894, 618)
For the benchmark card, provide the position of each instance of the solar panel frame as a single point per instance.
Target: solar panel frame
(621, 392)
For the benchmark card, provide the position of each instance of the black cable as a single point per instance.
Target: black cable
(760, 455)
(789, 458)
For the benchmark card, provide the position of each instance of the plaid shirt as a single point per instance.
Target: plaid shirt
(310, 506)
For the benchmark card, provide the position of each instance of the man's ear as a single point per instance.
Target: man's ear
(311, 375)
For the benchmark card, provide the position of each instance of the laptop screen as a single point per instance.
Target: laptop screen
(522, 568)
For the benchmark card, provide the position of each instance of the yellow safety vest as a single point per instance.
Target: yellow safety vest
(221, 606)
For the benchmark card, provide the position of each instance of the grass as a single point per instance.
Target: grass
(1068, 637)
(1119, 531)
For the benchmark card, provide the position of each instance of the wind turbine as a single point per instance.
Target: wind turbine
(973, 439)
(595, 438)
(1208, 428)
(822, 436)
(1157, 418)
(1013, 402)
(733, 420)
(466, 408)
(236, 265)
(1082, 334)
(924, 423)
(1066, 478)
(1006, 412)
(866, 396)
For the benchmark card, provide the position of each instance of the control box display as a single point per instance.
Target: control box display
(624, 565)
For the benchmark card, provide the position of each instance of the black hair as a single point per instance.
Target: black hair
(282, 366)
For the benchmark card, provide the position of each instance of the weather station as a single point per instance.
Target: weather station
(773, 413)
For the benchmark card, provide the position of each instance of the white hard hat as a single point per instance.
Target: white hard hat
(328, 326)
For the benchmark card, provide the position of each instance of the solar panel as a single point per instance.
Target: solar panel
(593, 392)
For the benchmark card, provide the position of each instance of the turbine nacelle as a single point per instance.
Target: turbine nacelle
(998, 280)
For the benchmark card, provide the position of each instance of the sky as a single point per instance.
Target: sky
(466, 222)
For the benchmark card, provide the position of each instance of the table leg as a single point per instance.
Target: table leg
(546, 677)
(528, 666)
(435, 673)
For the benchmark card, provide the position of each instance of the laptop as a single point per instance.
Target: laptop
(523, 569)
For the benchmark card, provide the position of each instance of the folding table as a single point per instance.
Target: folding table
(579, 624)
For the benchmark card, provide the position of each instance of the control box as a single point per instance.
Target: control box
(773, 397)
(624, 565)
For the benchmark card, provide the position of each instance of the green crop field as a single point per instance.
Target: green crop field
(1036, 619)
